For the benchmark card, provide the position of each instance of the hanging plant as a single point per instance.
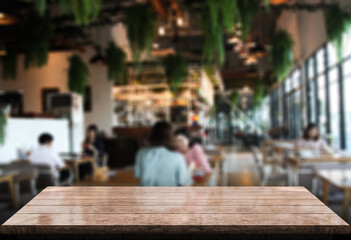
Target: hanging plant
(37, 32)
(235, 99)
(40, 6)
(3, 123)
(217, 16)
(9, 64)
(141, 30)
(267, 4)
(337, 23)
(175, 70)
(116, 63)
(282, 54)
(259, 94)
(84, 11)
(77, 74)
(211, 74)
(247, 11)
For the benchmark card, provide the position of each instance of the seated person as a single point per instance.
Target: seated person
(159, 164)
(312, 141)
(192, 150)
(92, 145)
(46, 155)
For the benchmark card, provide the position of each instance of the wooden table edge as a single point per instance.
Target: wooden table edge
(179, 229)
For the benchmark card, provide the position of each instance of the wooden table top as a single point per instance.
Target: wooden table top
(338, 177)
(184, 210)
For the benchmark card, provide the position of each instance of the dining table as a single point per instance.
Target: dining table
(300, 162)
(75, 162)
(341, 179)
(175, 213)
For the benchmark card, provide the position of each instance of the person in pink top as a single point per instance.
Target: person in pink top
(192, 150)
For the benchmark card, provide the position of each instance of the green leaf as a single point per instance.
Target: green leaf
(9, 64)
(77, 74)
(84, 11)
(140, 22)
(40, 6)
(282, 54)
(116, 63)
(235, 98)
(259, 94)
(247, 11)
(176, 70)
(3, 123)
(211, 74)
(337, 23)
(216, 17)
(37, 32)
(267, 4)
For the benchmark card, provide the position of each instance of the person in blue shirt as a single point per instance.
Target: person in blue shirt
(159, 164)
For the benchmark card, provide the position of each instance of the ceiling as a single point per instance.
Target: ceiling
(186, 39)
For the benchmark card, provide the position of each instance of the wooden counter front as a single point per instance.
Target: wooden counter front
(182, 210)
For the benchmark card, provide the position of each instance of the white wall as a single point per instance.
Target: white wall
(23, 133)
(54, 74)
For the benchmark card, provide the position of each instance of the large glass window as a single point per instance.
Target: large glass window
(346, 51)
(293, 118)
(322, 104)
(275, 112)
(332, 55)
(334, 107)
(320, 60)
(322, 65)
(347, 102)
(312, 101)
(310, 68)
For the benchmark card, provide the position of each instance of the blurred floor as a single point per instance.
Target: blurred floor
(240, 168)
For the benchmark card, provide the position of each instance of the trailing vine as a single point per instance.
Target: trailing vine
(211, 74)
(337, 23)
(37, 32)
(84, 11)
(282, 54)
(9, 64)
(77, 74)
(235, 98)
(217, 16)
(3, 123)
(175, 70)
(116, 63)
(259, 93)
(140, 22)
(247, 11)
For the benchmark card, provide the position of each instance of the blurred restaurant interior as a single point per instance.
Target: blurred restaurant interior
(124, 93)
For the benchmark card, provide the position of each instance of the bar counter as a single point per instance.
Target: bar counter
(181, 212)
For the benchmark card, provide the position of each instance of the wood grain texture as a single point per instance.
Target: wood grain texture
(172, 209)
(183, 210)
